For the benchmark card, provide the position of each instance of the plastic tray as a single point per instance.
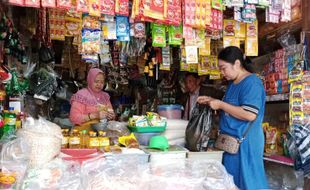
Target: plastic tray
(147, 129)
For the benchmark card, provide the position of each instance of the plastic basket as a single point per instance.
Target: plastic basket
(148, 129)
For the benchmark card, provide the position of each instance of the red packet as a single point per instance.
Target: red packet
(122, 8)
(82, 6)
(16, 2)
(32, 3)
(66, 4)
(157, 5)
(107, 7)
(48, 3)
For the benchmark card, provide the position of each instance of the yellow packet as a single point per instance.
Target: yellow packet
(94, 8)
(203, 66)
(129, 141)
(252, 29)
(193, 68)
(207, 50)
(240, 29)
(251, 46)
(201, 38)
(231, 41)
(229, 27)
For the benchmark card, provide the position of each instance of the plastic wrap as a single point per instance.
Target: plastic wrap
(57, 174)
(117, 129)
(112, 173)
(43, 140)
(11, 174)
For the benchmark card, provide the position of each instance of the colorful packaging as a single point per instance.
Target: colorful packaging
(252, 29)
(32, 3)
(248, 13)
(155, 9)
(240, 31)
(57, 24)
(191, 54)
(183, 65)
(107, 7)
(82, 6)
(158, 35)
(91, 22)
(175, 35)
(204, 66)
(48, 3)
(122, 28)
(229, 27)
(91, 41)
(66, 4)
(271, 140)
(217, 4)
(207, 50)
(200, 38)
(231, 41)
(94, 8)
(122, 7)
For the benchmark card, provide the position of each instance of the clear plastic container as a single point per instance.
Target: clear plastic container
(144, 138)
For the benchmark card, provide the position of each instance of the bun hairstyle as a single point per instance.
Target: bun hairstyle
(232, 53)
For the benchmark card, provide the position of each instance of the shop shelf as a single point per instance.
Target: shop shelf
(277, 98)
(279, 159)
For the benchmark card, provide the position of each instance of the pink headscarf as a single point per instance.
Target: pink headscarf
(87, 95)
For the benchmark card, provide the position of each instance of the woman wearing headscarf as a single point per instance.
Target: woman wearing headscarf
(91, 103)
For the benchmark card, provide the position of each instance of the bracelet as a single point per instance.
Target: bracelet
(89, 116)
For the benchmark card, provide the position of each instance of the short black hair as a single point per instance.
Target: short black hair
(195, 75)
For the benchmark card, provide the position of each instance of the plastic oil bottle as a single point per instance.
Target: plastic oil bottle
(74, 140)
(93, 140)
(9, 122)
(103, 139)
(65, 138)
(84, 139)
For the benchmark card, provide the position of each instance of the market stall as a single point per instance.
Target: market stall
(145, 49)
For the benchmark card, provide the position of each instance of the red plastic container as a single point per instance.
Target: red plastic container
(79, 155)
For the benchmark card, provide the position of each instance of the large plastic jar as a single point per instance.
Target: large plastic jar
(170, 111)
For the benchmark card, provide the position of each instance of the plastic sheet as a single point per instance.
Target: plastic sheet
(111, 173)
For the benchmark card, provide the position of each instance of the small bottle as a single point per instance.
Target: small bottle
(103, 139)
(84, 139)
(9, 122)
(74, 140)
(65, 138)
(93, 140)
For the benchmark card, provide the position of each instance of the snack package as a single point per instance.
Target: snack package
(48, 3)
(271, 140)
(139, 30)
(200, 39)
(129, 141)
(183, 64)
(90, 22)
(32, 3)
(207, 49)
(229, 27)
(251, 46)
(57, 24)
(122, 28)
(65, 4)
(193, 67)
(94, 8)
(107, 7)
(249, 13)
(240, 29)
(16, 2)
(109, 30)
(217, 4)
(296, 109)
(175, 35)
(73, 28)
(82, 6)
(191, 54)
(158, 35)
(122, 7)
(203, 66)
(231, 41)
(91, 41)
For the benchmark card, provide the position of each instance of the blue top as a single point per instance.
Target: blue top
(247, 166)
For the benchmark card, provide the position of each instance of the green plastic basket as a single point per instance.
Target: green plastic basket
(147, 129)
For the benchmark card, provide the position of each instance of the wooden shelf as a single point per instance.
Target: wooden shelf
(279, 159)
(278, 98)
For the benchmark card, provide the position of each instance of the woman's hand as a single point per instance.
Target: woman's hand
(107, 114)
(215, 104)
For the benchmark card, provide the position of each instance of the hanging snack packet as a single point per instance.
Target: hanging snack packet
(175, 35)
(139, 30)
(200, 38)
(48, 3)
(217, 4)
(229, 27)
(122, 26)
(207, 50)
(203, 66)
(107, 7)
(231, 41)
(32, 3)
(109, 30)
(193, 68)
(183, 65)
(91, 22)
(251, 46)
(91, 41)
(240, 29)
(65, 4)
(191, 54)
(158, 35)
(82, 6)
(94, 8)
(249, 13)
(122, 7)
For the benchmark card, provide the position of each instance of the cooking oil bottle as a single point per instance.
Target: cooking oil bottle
(93, 140)
(74, 140)
(84, 139)
(103, 139)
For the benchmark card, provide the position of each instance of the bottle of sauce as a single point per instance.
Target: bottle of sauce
(74, 140)
(93, 140)
(103, 139)
(65, 138)
(84, 139)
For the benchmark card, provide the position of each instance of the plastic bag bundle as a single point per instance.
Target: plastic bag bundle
(43, 140)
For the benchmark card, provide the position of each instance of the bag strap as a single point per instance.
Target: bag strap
(246, 131)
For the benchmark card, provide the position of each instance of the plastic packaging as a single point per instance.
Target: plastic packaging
(158, 35)
(11, 174)
(170, 111)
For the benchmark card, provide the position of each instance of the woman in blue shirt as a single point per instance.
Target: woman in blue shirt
(242, 105)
